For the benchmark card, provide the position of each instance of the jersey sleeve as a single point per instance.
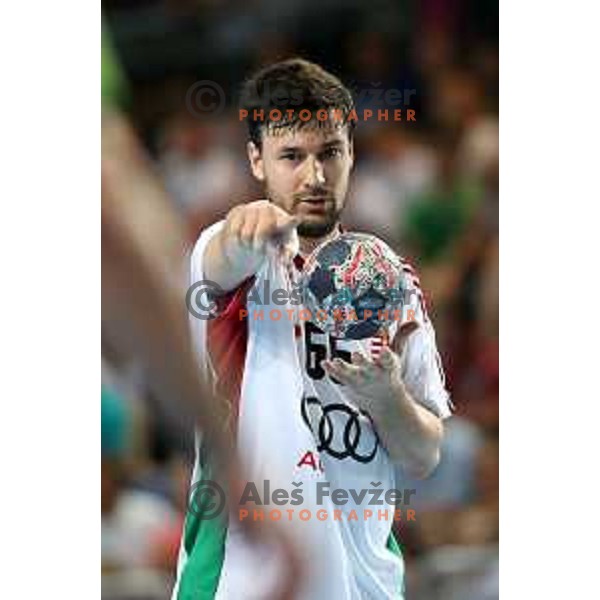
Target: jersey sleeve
(422, 369)
(211, 309)
(207, 300)
(201, 292)
(199, 308)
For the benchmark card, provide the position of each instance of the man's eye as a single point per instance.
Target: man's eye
(290, 156)
(333, 152)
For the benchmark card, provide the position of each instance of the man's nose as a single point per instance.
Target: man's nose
(314, 175)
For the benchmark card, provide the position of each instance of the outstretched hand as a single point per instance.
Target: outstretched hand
(373, 380)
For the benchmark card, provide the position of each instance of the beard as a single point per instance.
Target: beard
(312, 227)
(317, 229)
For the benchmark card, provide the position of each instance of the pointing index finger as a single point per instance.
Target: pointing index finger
(283, 228)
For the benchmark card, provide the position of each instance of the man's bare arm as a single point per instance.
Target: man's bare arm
(143, 249)
(249, 233)
(410, 433)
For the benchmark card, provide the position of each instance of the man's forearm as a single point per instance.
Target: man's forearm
(240, 247)
(227, 262)
(143, 243)
(410, 433)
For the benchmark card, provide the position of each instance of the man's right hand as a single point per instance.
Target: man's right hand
(250, 232)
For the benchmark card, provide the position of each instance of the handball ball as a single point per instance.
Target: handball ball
(353, 286)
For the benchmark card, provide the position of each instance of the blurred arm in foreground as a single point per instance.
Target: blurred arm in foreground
(143, 282)
(143, 244)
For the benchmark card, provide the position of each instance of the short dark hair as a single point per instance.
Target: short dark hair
(293, 84)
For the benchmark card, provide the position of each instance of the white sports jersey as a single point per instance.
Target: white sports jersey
(298, 429)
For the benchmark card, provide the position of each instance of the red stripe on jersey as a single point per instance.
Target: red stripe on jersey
(226, 341)
(298, 262)
(378, 343)
(424, 300)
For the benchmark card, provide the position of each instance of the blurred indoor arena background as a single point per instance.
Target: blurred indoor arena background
(430, 188)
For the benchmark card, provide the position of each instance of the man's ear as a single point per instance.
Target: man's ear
(256, 161)
(351, 152)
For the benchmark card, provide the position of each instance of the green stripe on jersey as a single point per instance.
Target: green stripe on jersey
(394, 548)
(204, 547)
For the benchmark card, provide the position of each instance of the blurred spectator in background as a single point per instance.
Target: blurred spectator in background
(393, 169)
(200, 170)
(456, 548)
(133, 520)
(453, 484)
(439, 215)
